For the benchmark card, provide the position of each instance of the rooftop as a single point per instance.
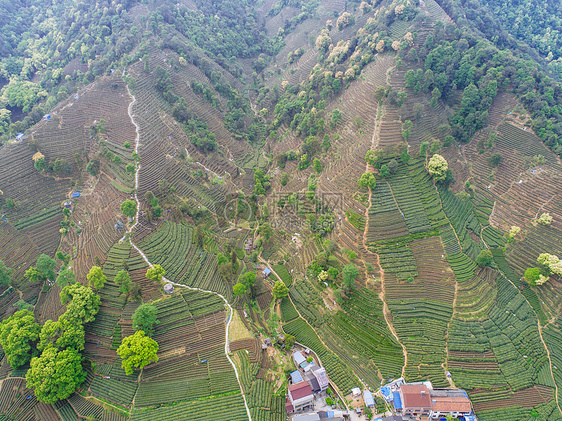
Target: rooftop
(396, 400)
(368, 398)
(299, 358)
(450, 404)
(314, 385)
(307, 417)
(415, 396)
(321, 376)
(300, 390)
(296, 377)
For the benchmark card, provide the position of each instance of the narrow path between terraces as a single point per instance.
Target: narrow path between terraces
(128, 235)
(386, 310)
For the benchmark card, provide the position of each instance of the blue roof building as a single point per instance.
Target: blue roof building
(397, 400)
(387, 393)
(75, 194)
(266, 272)
(296, 377)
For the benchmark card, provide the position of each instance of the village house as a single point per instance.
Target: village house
(300, 397)
(422, 401)
(415, 399)
(453, 402)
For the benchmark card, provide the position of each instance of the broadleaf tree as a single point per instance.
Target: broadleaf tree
(145, 318)
(55, 375)
(137, 351)
(18, 335)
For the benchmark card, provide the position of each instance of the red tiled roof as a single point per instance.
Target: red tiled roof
(300, 390)
(289, 407)
(450, 404)
(415, 396)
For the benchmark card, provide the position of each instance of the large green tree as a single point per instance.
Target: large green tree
(96, 278)
(33, 274)
(239, 289)
(485, 258)
(64, 333)
(84, 303)
(532, 275)
(18, 335)
(156, 273)
(367, 180)
(129, 208)
(280, 290)
(437, 167)
(349, 273)
(137, 351)
(145, 318)
(55, 375)
(123, 280)
(46, 266)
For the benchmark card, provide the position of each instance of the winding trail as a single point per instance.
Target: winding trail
(128, 234)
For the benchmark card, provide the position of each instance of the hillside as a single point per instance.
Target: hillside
(375, 181)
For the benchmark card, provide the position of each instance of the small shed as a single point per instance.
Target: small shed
(47, 116)
(296, 377)
(266, 272)
(68, 204)
(268, 342)
(119, 225)
(355, 391)
(19, 136)
(169, 288)
(298, 358)
(368, 398)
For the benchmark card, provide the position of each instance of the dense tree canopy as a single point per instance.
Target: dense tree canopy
(485, 258)
(84, 303)
(145, 318)
(129, 208)
(156, 273)
(437, 167)
(66, 277)
(55, 375)
(63, 333)
(367, 180)
(137, 351)
(545, 219)
(46, 266)
(96, 278)
(280, 290)
(18, 334)
(349, 272)
(532, 275)
(239, 289)
(123, 280)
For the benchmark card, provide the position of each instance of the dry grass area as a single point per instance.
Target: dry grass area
(237, 329)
